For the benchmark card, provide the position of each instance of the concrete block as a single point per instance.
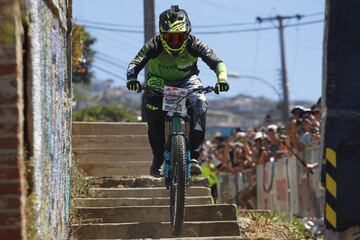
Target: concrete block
(159, 201)
(136, 182)
(109, 128)
(155, 230)
(113, 141)
(147, 192)
(112, 155)
(218, 212)
(116, 169)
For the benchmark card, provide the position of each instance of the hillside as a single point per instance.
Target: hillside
(240, 110)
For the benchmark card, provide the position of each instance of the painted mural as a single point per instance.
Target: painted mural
(51, 120)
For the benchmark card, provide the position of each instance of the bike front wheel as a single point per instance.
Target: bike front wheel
(177, 188)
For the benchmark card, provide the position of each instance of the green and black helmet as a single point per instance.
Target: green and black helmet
(174, 27)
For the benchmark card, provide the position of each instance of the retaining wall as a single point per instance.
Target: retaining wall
(35, 122)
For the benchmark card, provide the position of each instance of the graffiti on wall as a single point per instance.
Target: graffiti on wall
(51, 120)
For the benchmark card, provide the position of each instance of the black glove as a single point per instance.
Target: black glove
(221, 86)
(133, 85)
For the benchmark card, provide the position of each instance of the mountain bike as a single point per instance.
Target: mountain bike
(177, 148)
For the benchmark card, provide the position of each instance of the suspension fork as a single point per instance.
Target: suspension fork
(176, 125)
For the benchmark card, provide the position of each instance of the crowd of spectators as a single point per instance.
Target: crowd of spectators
(245, 148)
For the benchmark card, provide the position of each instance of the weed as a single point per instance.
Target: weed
(270, 225)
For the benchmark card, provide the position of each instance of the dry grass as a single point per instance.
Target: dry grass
(80, 188)
(271, 226)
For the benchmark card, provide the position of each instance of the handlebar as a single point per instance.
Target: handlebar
(200, 89)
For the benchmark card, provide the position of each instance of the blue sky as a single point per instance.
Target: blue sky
(253, 53)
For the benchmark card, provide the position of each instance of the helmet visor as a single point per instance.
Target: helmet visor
(175, 40)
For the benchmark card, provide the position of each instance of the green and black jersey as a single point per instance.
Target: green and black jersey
(174, 68)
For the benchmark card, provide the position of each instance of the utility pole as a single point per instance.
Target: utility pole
(280, 19)
(149, 30)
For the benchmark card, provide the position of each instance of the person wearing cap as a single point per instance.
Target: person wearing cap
(261, 153)
(295, 121)
(239, 158)
(297, 111)
(308, 138)
(276, 149)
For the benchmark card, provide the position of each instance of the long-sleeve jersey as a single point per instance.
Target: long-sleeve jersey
(174, 68)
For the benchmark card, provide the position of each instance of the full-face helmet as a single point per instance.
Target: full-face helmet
(174, 27)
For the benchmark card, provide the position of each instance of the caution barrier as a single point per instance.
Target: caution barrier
(283, 185)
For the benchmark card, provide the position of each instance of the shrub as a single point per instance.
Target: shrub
(105, 113)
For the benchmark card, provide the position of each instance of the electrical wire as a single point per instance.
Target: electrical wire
(112, 29)
(115, 59)
(109, 72)
(112, 57)
(209, 32)
(260, 29)
(111, 63)
(107, 24)
(104, 24)
(121, 41)
(110, 26)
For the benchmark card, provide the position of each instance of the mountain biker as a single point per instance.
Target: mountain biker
(172, 61)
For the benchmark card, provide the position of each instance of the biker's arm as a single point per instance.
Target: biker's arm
(200, 49)
(149, 50)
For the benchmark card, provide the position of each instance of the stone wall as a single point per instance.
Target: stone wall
(35, 122)
(12, 184)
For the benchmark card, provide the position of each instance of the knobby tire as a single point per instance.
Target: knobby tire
(177, 188)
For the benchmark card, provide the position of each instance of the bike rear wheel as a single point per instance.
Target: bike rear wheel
(177, 188)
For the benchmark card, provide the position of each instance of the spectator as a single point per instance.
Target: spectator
(276, 149)
(261, 154)
(309, 137)
(239, 158)
(221, 154)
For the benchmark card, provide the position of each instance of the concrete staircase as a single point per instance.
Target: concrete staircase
(112, 149)
(129, 204)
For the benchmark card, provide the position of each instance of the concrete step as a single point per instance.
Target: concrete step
(110, 141)
(116, 169)
(211, 212)
(214, 238)
(203, 238)
(154, 230)
(109, 128)
(136, 182)
(111, 155)
(147, 192)
(159, 201)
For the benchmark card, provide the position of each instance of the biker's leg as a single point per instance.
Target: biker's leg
(197, 111)
(155, 120)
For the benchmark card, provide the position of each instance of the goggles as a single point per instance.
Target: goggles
(175, 40)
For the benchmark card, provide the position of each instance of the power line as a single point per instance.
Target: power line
(108, 26)
(113, 29)
(110, 62)
(109, 72)
(210, 32)
(260, 29)
(121, 41)
(105, 24)
(114, 58)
